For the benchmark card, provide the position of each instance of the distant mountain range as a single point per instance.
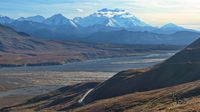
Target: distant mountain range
(104, 22)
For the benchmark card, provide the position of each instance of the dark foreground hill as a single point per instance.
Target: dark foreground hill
(182, 68)
(19, 49)
(159, 100)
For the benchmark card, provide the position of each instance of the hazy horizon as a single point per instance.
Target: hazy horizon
(154, 12)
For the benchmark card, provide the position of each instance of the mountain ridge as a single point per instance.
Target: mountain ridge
(36, 18)
(58, 27)
(143, 37)
(108, 17)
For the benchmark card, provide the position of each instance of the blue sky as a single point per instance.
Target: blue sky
(155, 12)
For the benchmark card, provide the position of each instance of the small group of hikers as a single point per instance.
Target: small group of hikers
(177, 98)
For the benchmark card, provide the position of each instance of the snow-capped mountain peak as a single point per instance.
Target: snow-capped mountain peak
(111, 17)
(56, 19)
(59, 19)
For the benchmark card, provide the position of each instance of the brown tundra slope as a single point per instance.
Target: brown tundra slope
(159, 100)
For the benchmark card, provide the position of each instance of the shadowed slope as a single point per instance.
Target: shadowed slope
(182, 68)
(61, 99)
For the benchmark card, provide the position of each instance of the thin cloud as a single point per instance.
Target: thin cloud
(79, 10)
(154, 12)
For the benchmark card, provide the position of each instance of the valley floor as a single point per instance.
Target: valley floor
(18, 84)
(16, 87)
